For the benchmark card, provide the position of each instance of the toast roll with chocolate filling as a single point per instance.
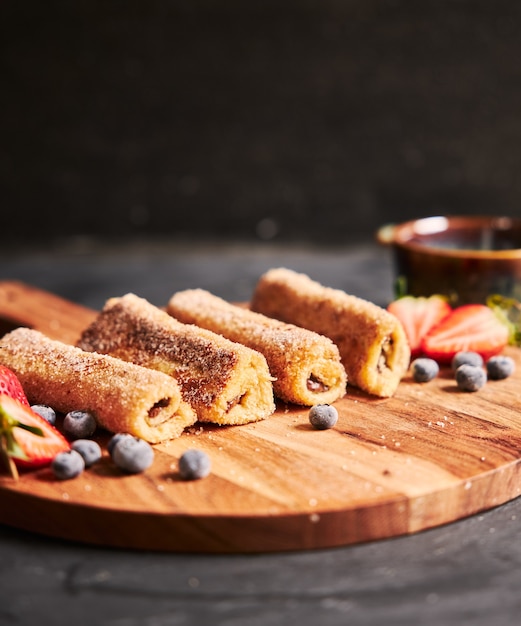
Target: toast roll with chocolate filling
(123, 397)
(305, 366)
(225, 382)
(372, 343)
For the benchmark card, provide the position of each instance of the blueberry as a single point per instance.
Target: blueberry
(89, 450)
(194, 464)
(323, 416)
(132, 454)
(79, 424)
(424, 369)
(499, 367)
(47, 412)
(67, 464)
(114, 440)
(467, 357)
(470, 377)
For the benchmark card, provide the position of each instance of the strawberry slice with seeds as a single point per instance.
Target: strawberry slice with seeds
(418, 315)
(11, 386)
(26, 439)
(470, 327)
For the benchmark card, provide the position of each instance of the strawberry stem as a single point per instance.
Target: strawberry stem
(8, 461)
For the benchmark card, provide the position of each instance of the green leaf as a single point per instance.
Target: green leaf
(508, 311)
(400, 287)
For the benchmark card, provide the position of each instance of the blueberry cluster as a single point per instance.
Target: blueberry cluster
(130, 454)
(471, 372)
(71, 463)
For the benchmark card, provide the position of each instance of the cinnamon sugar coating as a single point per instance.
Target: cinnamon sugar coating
(225, 382)
(123, 397)
(371, 341)
(306, 366)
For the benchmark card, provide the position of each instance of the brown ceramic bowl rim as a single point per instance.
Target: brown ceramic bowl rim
(401, 235)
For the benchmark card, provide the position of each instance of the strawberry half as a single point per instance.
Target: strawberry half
(25, 437)
(418, 315)
(471, 327)
(11, 386)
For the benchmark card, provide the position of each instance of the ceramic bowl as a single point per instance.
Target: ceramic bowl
(465, 258)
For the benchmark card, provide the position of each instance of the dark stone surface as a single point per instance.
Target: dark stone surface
(294, 120)
(466, 573)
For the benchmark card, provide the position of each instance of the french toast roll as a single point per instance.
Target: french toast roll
(372, 343)
(306, 366)
(122, 396)
(225, 382)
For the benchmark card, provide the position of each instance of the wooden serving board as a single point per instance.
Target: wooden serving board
(428, 456)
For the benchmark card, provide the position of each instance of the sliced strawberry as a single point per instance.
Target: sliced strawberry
(11, 386)
(418, 315)
(26, 437)
(471, 327)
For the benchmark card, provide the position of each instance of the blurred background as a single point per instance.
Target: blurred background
(285, 121)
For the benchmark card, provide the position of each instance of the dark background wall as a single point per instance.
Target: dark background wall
(296, 120)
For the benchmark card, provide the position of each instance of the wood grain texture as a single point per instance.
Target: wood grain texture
(428, 456)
